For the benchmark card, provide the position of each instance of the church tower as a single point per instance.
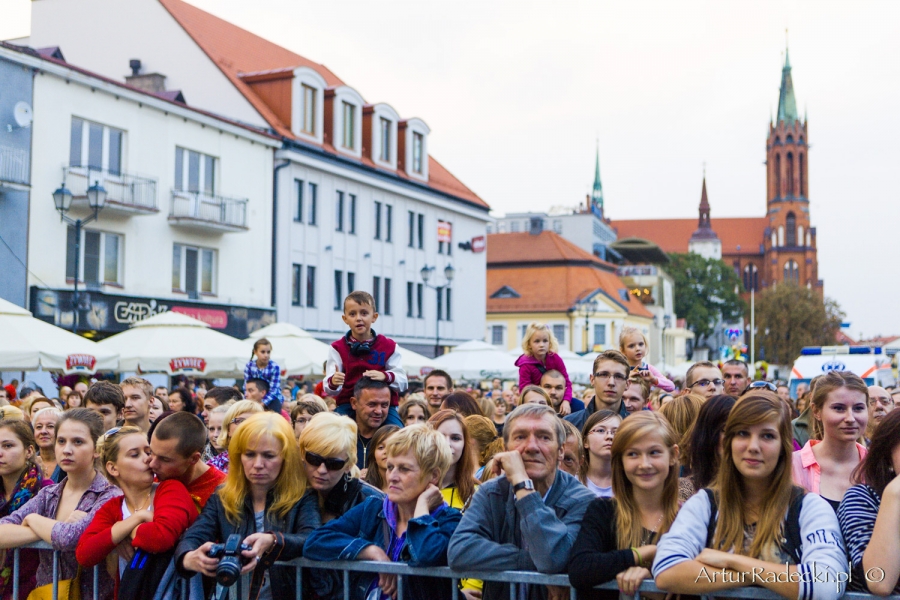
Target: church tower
(790, 243)
(704, 241)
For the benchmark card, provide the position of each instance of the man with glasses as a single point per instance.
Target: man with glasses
(608, 380)
(880, 404)
(370, 402)
(736, 375)
(705, 378)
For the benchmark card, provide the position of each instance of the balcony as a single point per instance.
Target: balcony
(126, 194)
(14, 165)
(202, 212)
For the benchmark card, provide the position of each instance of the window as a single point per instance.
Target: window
(352, 214)
(791, 229)
(388, 222)
(376, 291)
(310, 286)
(514, 227)
(308, 124)
(339, 212)
(421, 231)
(193, 270)
(802, 168)
(297, 272)
(789, 173)
(557, 226)
(778, 176)
(445, 230)
(195, 172)
(409, 298)
(449, 314)
(412, 229)
(420, 290)
(418, 147)
(385, 153)
(440, 303)
(560, 332)
(338, 294)
(313, 196)
(386, 297)
(351, 282)
(377, 220)
(497, 335)
(349, 123)
(599, 334)
(100, 257)
(791, 272)
(298, 210)
(95, 146)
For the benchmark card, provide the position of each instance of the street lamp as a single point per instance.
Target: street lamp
(667, 323)
(449, 273)
(62, 199)
(586, 308)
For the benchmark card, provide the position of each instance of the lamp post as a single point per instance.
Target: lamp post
(425, 273)
(586, 308)
(62, 198)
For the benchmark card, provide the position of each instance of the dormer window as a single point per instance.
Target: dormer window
(384, 153)
(380, 134)
(307, 102)
(344, 112)
(413, 136)
(348, 125)
(418, 147)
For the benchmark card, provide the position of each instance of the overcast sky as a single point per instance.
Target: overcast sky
(518, 93)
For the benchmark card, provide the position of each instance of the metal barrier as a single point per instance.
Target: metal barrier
(48, 547)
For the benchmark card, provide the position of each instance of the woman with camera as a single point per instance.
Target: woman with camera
(413, 524)
(263, 502)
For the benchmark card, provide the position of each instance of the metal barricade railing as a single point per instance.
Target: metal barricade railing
(45, 546)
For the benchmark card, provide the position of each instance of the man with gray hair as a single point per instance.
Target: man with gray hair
(529, 519)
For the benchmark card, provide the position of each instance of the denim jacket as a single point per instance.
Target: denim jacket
(425, 545)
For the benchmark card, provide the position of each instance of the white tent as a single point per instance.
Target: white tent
(30, 344)
(177, 344)
(416, 365)
(295, 350)
(476, 360)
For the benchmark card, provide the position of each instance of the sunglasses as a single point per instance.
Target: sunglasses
(112, 432)
(332, 464)
(763, 384)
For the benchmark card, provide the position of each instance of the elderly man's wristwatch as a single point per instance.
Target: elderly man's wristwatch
(524, 485)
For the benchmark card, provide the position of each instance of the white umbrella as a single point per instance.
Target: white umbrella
(177, 344)
(415, 364)
(476, 360)
(295, 350)
(30, 344)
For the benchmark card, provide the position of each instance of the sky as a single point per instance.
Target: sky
(520, 94)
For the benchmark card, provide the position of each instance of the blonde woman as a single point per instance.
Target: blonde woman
(239, 412)
(262, 500)
(539, 355)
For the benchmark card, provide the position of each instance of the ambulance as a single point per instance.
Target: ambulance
(869, 363)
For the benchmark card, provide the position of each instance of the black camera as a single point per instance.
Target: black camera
(230, 559)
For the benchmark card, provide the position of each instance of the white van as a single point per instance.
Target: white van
(869, 363)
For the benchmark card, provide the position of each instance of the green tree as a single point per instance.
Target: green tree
(706, 290)
(790, 316)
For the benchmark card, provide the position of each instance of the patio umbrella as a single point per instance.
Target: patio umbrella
(295, 350)
(416, 365)
(30, 344)
(177, 344)
(476, 360)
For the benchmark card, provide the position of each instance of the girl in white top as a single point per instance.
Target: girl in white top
(747, 539)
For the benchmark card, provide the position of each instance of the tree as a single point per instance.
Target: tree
(790, 316)
(706, 291)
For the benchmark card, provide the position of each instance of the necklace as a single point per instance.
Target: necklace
(143, 505)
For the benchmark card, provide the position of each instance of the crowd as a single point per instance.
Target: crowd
(708, 484)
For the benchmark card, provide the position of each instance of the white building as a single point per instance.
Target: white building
(188, 217)
(359, 203)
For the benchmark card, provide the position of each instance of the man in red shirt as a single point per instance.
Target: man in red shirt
(176, 445)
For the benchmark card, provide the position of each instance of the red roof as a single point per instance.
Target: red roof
(549, 274)
(739, 235)
(237, 53)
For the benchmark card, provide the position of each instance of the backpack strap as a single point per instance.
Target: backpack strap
(714, 509)
(792, 542)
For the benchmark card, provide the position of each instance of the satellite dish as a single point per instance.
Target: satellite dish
(22, 114)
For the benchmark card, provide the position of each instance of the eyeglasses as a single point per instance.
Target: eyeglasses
(602, 431)
(762, 384)
(706, 382)
(332, 464)
(618, 377)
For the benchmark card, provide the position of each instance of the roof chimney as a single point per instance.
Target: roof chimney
(149, 82)
(135, 65)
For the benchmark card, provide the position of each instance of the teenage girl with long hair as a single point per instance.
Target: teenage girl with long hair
(754, 522)
(618, 535)
(598, 434)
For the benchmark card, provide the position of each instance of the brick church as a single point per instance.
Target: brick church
(777, 247)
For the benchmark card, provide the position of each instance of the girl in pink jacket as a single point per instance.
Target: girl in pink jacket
(633, 344)
(540, 355)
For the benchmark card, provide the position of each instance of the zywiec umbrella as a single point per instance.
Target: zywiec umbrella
(30, 344)
(295, 350)
(476, 360)
(177, 344)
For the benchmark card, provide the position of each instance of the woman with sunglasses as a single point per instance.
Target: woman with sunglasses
(264, 501)
(239, 412)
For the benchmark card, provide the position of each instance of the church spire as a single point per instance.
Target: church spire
(597, 192)
(787, 103)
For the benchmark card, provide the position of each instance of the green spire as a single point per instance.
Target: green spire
(787, 104)
(597, 192)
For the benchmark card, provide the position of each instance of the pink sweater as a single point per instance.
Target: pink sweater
(531, 370)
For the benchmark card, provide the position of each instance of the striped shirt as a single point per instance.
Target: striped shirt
(857, 515)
